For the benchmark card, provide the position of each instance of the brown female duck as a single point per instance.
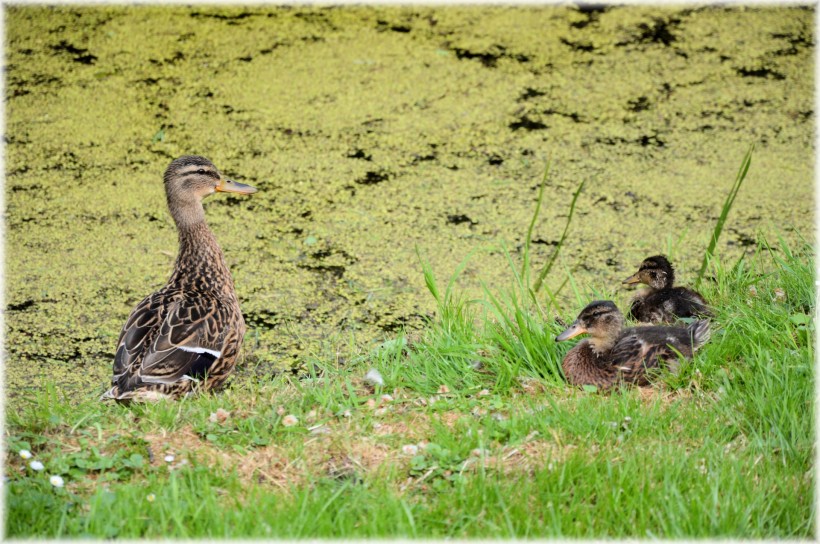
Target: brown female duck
(661, 302)
(613, 354)
(187, 335)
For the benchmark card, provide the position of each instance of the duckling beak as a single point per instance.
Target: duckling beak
(574, 330)
(231, 186)
(633, 279)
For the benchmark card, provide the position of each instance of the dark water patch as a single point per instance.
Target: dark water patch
(20, 86)
(458, 219)
(230, 19)
(541, 241)
(797, 42)
(384, 26)
(374, 177)
(638, 104)
(573, 115)
(592, 12)
(81, 55)
(424, 158)
(529, 92)
(658, 32)
(490, 57)
(174, 59)
(581, 47)
(359, 154)
(526, 123)
(21, 306)
(334, 270)
(763, 72)
(262, 319)
(412, 321)
(647, 140)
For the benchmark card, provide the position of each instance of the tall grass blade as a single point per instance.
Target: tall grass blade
(525, 267)
(547, 267)
(727, 205)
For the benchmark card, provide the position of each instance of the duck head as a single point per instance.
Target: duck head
(191, 178)
(601, 320)
(656, 272)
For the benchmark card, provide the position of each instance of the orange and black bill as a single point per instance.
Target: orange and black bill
(574, 330)
(231, 186)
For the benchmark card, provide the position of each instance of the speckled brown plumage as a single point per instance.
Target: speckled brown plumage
(187, 335)
(661, 302)
(614, 355)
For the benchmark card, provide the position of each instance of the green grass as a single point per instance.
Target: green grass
(724, 449)
(472, 434)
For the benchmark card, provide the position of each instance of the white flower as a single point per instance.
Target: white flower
(410, 449)
(290, 420)
(169, 458)
(25, 454)
(151, 497)
(36, 465)
(56, 481)
(374, 377)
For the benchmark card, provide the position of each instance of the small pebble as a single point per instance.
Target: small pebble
(484, 393)
(290, 420)
(410, 449)
(371, 403)
(169, 458)
(220, 416)
(387, 398)
(374, 377)
(443, 390)
(378, 412)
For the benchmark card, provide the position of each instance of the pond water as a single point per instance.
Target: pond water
(373, 133)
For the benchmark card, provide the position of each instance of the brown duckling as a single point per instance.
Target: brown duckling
(661, 302)
(613, 354)
(187, 335)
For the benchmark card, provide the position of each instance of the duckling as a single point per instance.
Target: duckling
(187, 335)
(613, 354)
(662, 303)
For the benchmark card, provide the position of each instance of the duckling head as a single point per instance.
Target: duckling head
(600, 319)
(656, 272)
(191, 178)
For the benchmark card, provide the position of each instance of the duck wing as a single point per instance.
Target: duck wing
(137, 333)
(189, 341)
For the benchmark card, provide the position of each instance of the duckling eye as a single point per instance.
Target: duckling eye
(201, 171)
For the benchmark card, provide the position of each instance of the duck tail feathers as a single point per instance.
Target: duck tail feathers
(700, 332)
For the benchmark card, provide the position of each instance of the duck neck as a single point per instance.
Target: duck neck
(200, 263)
(601, 345)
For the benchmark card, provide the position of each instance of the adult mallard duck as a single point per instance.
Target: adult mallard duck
(187, 335)
(613, 354)
(661, 302)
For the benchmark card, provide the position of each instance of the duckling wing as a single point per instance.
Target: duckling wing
(643, 348)
(189, 341)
